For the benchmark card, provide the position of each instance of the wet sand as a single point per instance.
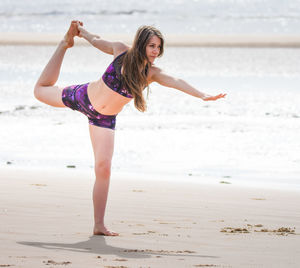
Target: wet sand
(46, 221)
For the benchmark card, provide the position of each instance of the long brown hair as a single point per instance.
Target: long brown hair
(135, 65)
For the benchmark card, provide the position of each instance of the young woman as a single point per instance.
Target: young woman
(131, 71)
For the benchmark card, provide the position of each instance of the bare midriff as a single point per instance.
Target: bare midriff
(105, 100)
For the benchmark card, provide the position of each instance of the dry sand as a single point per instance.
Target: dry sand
(46, 221)
(202, 40)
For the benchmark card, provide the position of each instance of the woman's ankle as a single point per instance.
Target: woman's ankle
(63, 44)
(99, 224)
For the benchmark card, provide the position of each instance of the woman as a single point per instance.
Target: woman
(126, 77)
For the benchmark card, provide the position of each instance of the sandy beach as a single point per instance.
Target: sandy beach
(46, 221)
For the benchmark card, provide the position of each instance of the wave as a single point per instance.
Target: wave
(63, 13)
(104, 12)
(251, 17)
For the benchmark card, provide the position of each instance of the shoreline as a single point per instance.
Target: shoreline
(46, 218)
(180, 178)
(184, 40)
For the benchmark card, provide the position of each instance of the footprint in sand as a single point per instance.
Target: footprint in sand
(163, 235)
(285, 231)
(280, 231)
(158, 251)
(148, 232)
(234, 230)
(115, 266)
(51, 262)
(205, 265)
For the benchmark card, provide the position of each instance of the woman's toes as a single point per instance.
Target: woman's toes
(104, 231)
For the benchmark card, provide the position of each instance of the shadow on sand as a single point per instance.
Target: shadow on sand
(97, 245)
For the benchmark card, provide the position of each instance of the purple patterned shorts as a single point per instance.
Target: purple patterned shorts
(76, 98)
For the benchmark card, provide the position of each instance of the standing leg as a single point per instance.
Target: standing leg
(44, 90)
(103, 147)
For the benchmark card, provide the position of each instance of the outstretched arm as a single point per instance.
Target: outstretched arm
(109, 47)
(166, 80)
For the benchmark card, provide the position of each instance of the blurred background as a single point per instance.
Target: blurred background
(171, 16)
(251, 137)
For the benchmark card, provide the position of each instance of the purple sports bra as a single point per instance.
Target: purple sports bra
(112, 77)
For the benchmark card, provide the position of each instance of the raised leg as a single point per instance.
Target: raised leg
(45, 89)
(103, 146)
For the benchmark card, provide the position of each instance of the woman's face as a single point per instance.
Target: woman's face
(153, 48)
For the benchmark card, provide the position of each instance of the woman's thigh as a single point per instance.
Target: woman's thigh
(103, 143)
(51, 95)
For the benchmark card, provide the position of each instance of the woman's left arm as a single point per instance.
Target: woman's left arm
(166, 80)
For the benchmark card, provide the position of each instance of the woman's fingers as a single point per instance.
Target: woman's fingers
(220, 96)
(215, 97)
(79, 27)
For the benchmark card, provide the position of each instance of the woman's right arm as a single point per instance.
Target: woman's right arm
(109, 47)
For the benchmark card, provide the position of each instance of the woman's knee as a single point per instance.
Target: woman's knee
(51, 95)
(37, 92)
(103, 168)
(40, 93)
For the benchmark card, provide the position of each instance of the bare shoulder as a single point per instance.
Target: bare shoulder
(153, 71)
(119, 47)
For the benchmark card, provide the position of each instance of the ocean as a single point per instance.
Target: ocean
(251, 137)
(171, 16)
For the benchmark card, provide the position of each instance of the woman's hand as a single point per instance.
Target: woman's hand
(213, 98)
(80, 28)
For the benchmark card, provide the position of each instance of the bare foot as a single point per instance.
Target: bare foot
(102, 230)
(72, 32)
